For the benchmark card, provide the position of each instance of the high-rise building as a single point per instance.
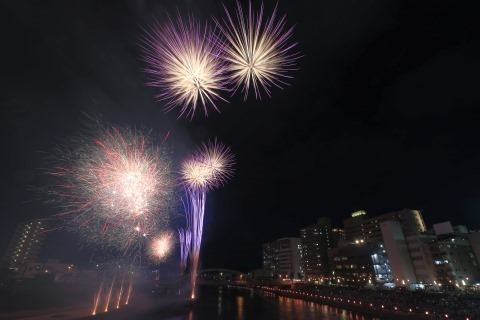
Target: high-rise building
(316, 240)
(26, 244)
(358, 227)
(281, 258)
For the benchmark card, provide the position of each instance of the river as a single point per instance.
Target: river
(243, 304)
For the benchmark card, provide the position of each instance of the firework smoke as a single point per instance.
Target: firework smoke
(210, 167)
(257, 49)
(182, 61)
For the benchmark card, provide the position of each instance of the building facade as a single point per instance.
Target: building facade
(282, 259)
(398, 254)
(474, 237)
(317, 240)
(453, 256)
(439, 257)
(360, 264)
(359, 227)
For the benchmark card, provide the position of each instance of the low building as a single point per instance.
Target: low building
(360, 264)
(281, 258)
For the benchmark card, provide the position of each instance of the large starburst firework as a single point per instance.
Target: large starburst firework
(256, 49)
(182, 62)
(112, 183)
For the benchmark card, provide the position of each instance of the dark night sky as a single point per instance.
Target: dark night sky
(383, 114)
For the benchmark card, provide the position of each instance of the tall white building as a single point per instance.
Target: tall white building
(397, 252)
(442, 256)
(420, 250)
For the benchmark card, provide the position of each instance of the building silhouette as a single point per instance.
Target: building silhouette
(25, 244)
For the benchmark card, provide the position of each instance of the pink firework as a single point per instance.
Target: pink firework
(113, 185)
(257, 49)
(182, 62)
(161, 246)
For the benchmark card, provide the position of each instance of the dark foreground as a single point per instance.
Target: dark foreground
(233, 303)
(211, 303)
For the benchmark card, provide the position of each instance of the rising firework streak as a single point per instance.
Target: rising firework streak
(209, 167)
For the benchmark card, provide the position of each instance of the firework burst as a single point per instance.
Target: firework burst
(209, 167)
(257, 49)
(182, 61)
(112, 184)
(161, 246)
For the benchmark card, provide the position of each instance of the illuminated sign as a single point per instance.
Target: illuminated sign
(358, 213)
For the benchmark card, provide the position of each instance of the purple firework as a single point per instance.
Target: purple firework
(211, 166)
(185, 237)
(257, 49)
(182, 61)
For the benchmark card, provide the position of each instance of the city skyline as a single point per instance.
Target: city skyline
(381, 115)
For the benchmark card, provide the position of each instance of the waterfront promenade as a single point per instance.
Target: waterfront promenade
(387, 304)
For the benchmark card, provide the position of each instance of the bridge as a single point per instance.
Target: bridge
(220, 276)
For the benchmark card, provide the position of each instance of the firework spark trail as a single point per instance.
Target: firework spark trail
(196, 215)
(113, 184)
(210, 167)
(96, 298)
(119, 298)
(185, 237)
(129, 291)
(109, 294)
(182, 61)
(256, 49)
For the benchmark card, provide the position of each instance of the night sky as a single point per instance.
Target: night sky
(382, 114)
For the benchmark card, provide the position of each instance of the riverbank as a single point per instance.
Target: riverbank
(386, 304)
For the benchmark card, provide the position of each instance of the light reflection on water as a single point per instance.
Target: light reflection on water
(234, 304)
(290, 308)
